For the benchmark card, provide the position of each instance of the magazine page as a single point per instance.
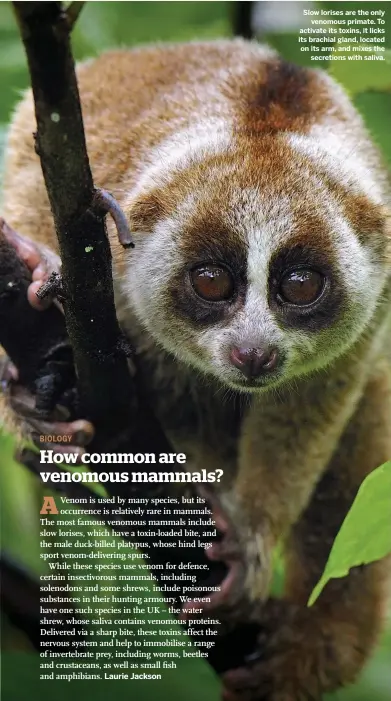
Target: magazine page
(195, 364)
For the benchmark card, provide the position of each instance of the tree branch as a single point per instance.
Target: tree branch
(104, 383)
(241, 19)
(73, 11)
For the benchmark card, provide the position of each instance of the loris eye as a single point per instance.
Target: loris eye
(301, 287)
(212, 282)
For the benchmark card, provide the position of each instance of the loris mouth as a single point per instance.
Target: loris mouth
(255, 386)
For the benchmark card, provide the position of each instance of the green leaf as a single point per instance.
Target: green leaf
(365, 535)
(19, 506)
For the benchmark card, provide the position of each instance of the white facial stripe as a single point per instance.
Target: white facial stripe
(255, 324)
(270, 232)
(156, 254)
(265, 223)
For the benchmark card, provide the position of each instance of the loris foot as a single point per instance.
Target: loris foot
(55, 432)
(296, 658)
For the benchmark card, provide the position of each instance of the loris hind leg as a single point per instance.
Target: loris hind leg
(304, 652)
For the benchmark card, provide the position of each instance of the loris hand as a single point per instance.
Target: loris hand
(228, 603)
(40, 260)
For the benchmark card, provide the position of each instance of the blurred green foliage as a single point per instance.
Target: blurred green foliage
(107, 24)
(104, 25)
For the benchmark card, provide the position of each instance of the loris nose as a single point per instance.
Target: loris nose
(253, 362)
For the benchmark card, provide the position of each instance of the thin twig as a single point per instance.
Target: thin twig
(242, 13)
(109, 205)
(72, 12)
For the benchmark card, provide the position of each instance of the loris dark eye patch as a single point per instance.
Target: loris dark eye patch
(305, 289)
(207, 292)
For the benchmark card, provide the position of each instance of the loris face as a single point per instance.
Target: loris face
(259, 264)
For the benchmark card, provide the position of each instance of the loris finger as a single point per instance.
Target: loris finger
(8, 373)
(26, 249)
(61, 434)
(39, 304)
(23, 403)
(40, 261)
(46, 285)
